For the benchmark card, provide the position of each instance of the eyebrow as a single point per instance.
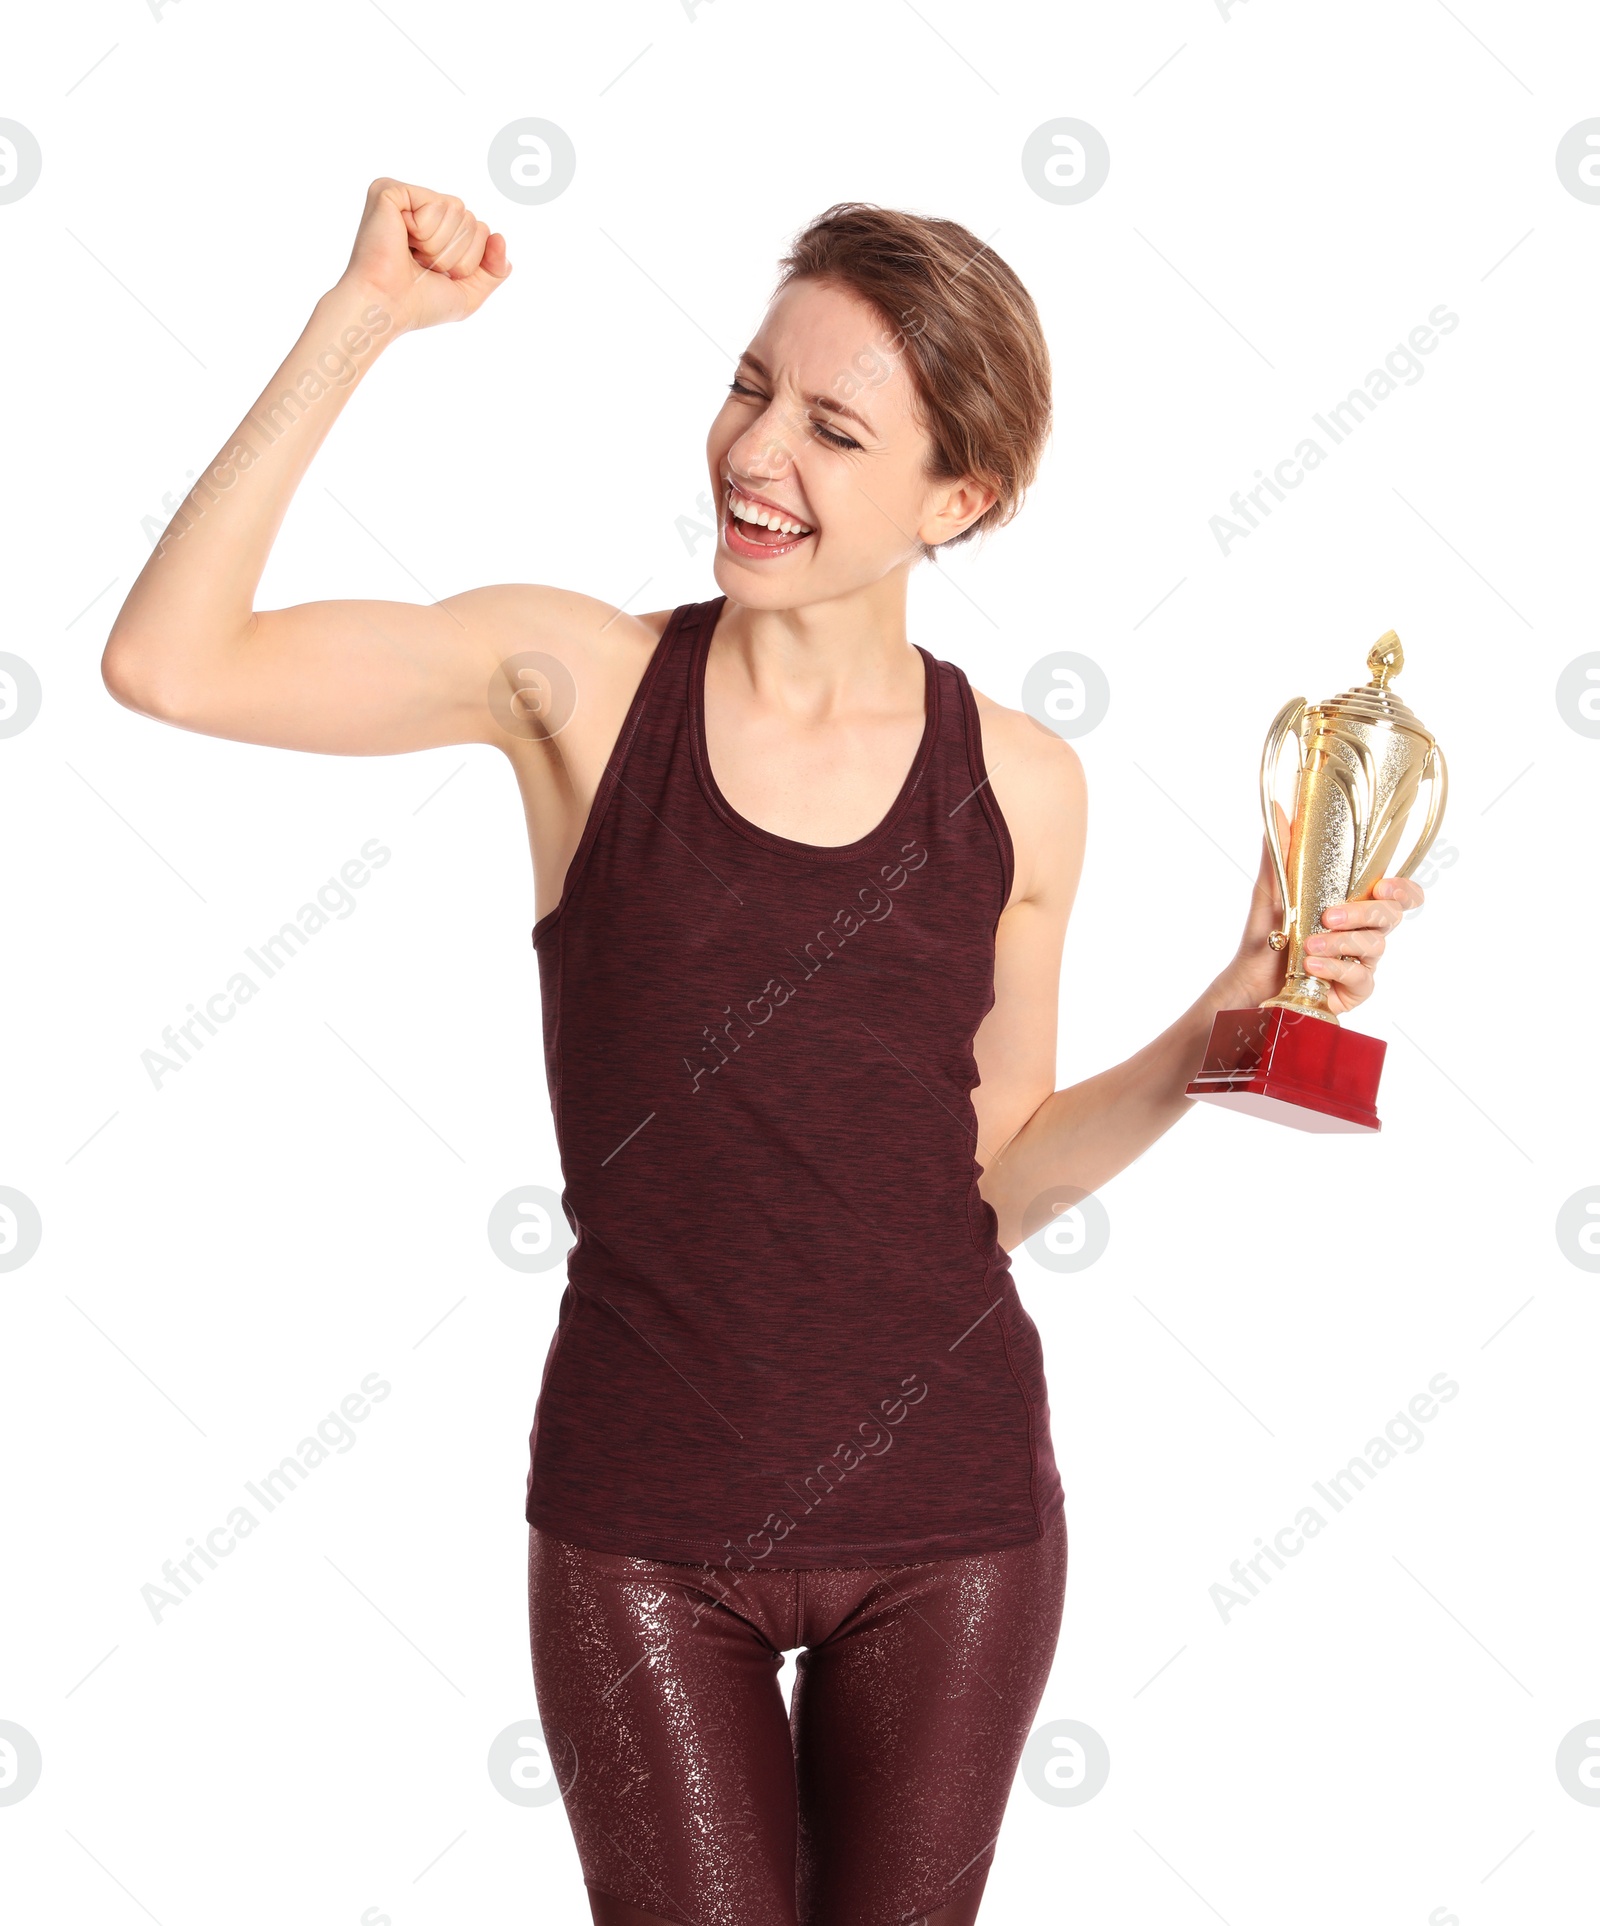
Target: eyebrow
(815, 401)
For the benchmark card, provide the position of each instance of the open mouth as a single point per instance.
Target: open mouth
(752, 528)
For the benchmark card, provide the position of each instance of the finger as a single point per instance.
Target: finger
(1285, 829)
(1404, 890)
(1266, 872)
(436, 222)
(1365, 944)
(470, 260)
(1352, 975)
(427, 209)
(1266, 878)
(460, 255)
(445, 245)
(1265, 913)
(496, 263)
(1366, 913)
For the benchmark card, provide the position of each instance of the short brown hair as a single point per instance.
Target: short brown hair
(968, 328)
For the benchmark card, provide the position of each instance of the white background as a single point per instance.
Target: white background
(224, 1258)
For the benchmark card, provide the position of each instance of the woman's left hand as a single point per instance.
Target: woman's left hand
(1343, 951)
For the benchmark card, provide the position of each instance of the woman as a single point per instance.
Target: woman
(801, 898)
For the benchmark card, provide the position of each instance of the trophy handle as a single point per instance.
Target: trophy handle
(1284, 724)
(1437, 777)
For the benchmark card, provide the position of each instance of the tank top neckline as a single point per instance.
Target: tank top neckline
(700, 651)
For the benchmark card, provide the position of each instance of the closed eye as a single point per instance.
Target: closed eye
(819, 429)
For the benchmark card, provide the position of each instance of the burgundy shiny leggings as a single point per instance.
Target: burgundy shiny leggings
(876, 1800)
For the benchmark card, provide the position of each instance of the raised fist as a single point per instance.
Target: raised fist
(425, 256)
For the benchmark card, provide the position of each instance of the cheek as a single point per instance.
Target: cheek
(843, 511)
(871, 509)
(724, 429)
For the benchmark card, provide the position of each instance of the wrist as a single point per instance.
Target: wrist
(357, 319)
(1230, 989)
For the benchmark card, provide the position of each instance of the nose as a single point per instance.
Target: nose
(762, 453)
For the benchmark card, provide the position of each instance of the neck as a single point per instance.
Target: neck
(846, 653)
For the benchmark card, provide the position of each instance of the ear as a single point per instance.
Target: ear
(956, 507)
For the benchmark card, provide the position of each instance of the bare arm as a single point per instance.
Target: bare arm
(356, 677)
(1042, 1148)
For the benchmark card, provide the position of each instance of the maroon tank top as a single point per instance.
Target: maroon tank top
(789, 1336)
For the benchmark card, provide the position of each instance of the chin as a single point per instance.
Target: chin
(755, 586)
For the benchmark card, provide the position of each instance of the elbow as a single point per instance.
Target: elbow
(131, 670)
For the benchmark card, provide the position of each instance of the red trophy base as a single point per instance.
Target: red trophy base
(1298, 1070)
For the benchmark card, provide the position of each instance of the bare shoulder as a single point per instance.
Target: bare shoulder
(1029, 751)
(528, 633)
(572, 626)
(1038, 781)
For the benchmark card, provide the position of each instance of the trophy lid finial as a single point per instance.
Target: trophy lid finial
(1386, 658)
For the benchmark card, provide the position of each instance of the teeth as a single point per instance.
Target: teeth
(763, 517)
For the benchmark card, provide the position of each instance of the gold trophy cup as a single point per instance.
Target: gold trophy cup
(1363, 756)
